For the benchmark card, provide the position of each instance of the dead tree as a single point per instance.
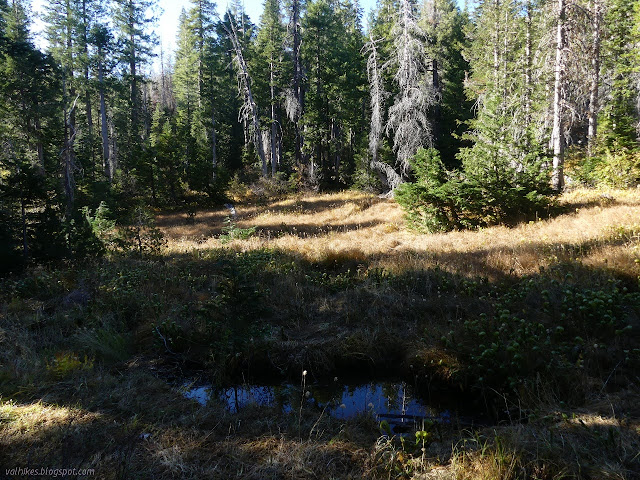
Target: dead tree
(388, 175)
(249, 109)
(557, 135)
(408, 119)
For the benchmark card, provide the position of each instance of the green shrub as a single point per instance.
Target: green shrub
(232, 232)
(550, 329)
(141, 236)
(617, 168)
(441, 200)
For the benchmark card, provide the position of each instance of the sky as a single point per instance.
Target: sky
(168, 24)
(167, 27)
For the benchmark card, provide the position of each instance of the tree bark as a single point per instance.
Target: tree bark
(297, 77)
(557, 136)
(106, 161)
(527, 80)
(214, 153)
(87, 97)
(274, 127)
(595, 77)
(134, 79)
(23, 217)
(68, 160)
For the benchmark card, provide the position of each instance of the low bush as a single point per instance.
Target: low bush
(616, 168)
(442, 200)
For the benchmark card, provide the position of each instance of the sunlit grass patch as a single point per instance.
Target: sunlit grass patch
(20, 418)
(372, 229)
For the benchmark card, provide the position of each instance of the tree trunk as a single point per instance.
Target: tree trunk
(39, 145)
(527, 80)
(214, 154)
(557, 136)
(437, 111)
(106, 161)
(274, 127)
(87, 97)
(68, 161)
(595, 78)
(134, 80)
(297, 77)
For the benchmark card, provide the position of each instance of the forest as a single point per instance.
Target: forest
(327, 245)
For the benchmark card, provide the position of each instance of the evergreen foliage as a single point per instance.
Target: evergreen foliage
(442, 200)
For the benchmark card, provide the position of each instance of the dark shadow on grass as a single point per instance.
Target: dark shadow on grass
(304, 206)
(303, 230)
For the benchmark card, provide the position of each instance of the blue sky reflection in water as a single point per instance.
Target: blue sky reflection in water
(393, 401)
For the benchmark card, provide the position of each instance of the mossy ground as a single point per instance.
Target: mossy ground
(538, 325)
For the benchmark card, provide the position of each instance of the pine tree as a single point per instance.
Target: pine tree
(269, 65)
(294, 99)
(187, 89)
(102, 41)
(505, 133)
(334, 96)
(445, 28)
(62, 25)
(132, 20)
(29, 92)
(619, 114)
(249, 111)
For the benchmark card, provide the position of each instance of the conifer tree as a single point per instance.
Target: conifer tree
(29, 143)
(619, 114)
(334, 92)
(269, 64)
(445, 28)
(187, 90)
(132, 20)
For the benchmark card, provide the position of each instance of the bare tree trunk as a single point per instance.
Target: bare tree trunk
(134, 78)
(68, 155)
(214, 153)
(87, 97)
(437, 111)
(39, 145)
(23, 217)
(163, 86)
(106, 160)
(388, 176)
(274, 127)
(297, 77)
(114, 149)
(595, 77)
(557, 135)
(527, 80)
(408, 116)
(496, 54)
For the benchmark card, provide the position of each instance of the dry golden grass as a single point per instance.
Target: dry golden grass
(579, 445)
(367, 229)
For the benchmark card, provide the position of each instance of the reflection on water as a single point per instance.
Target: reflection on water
(393, 402)
(200, 394)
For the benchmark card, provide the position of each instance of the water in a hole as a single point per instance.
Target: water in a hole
(390, 401)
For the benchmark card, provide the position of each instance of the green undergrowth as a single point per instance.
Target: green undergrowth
(230, 312)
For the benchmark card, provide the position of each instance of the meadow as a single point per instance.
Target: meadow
(535, 327)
